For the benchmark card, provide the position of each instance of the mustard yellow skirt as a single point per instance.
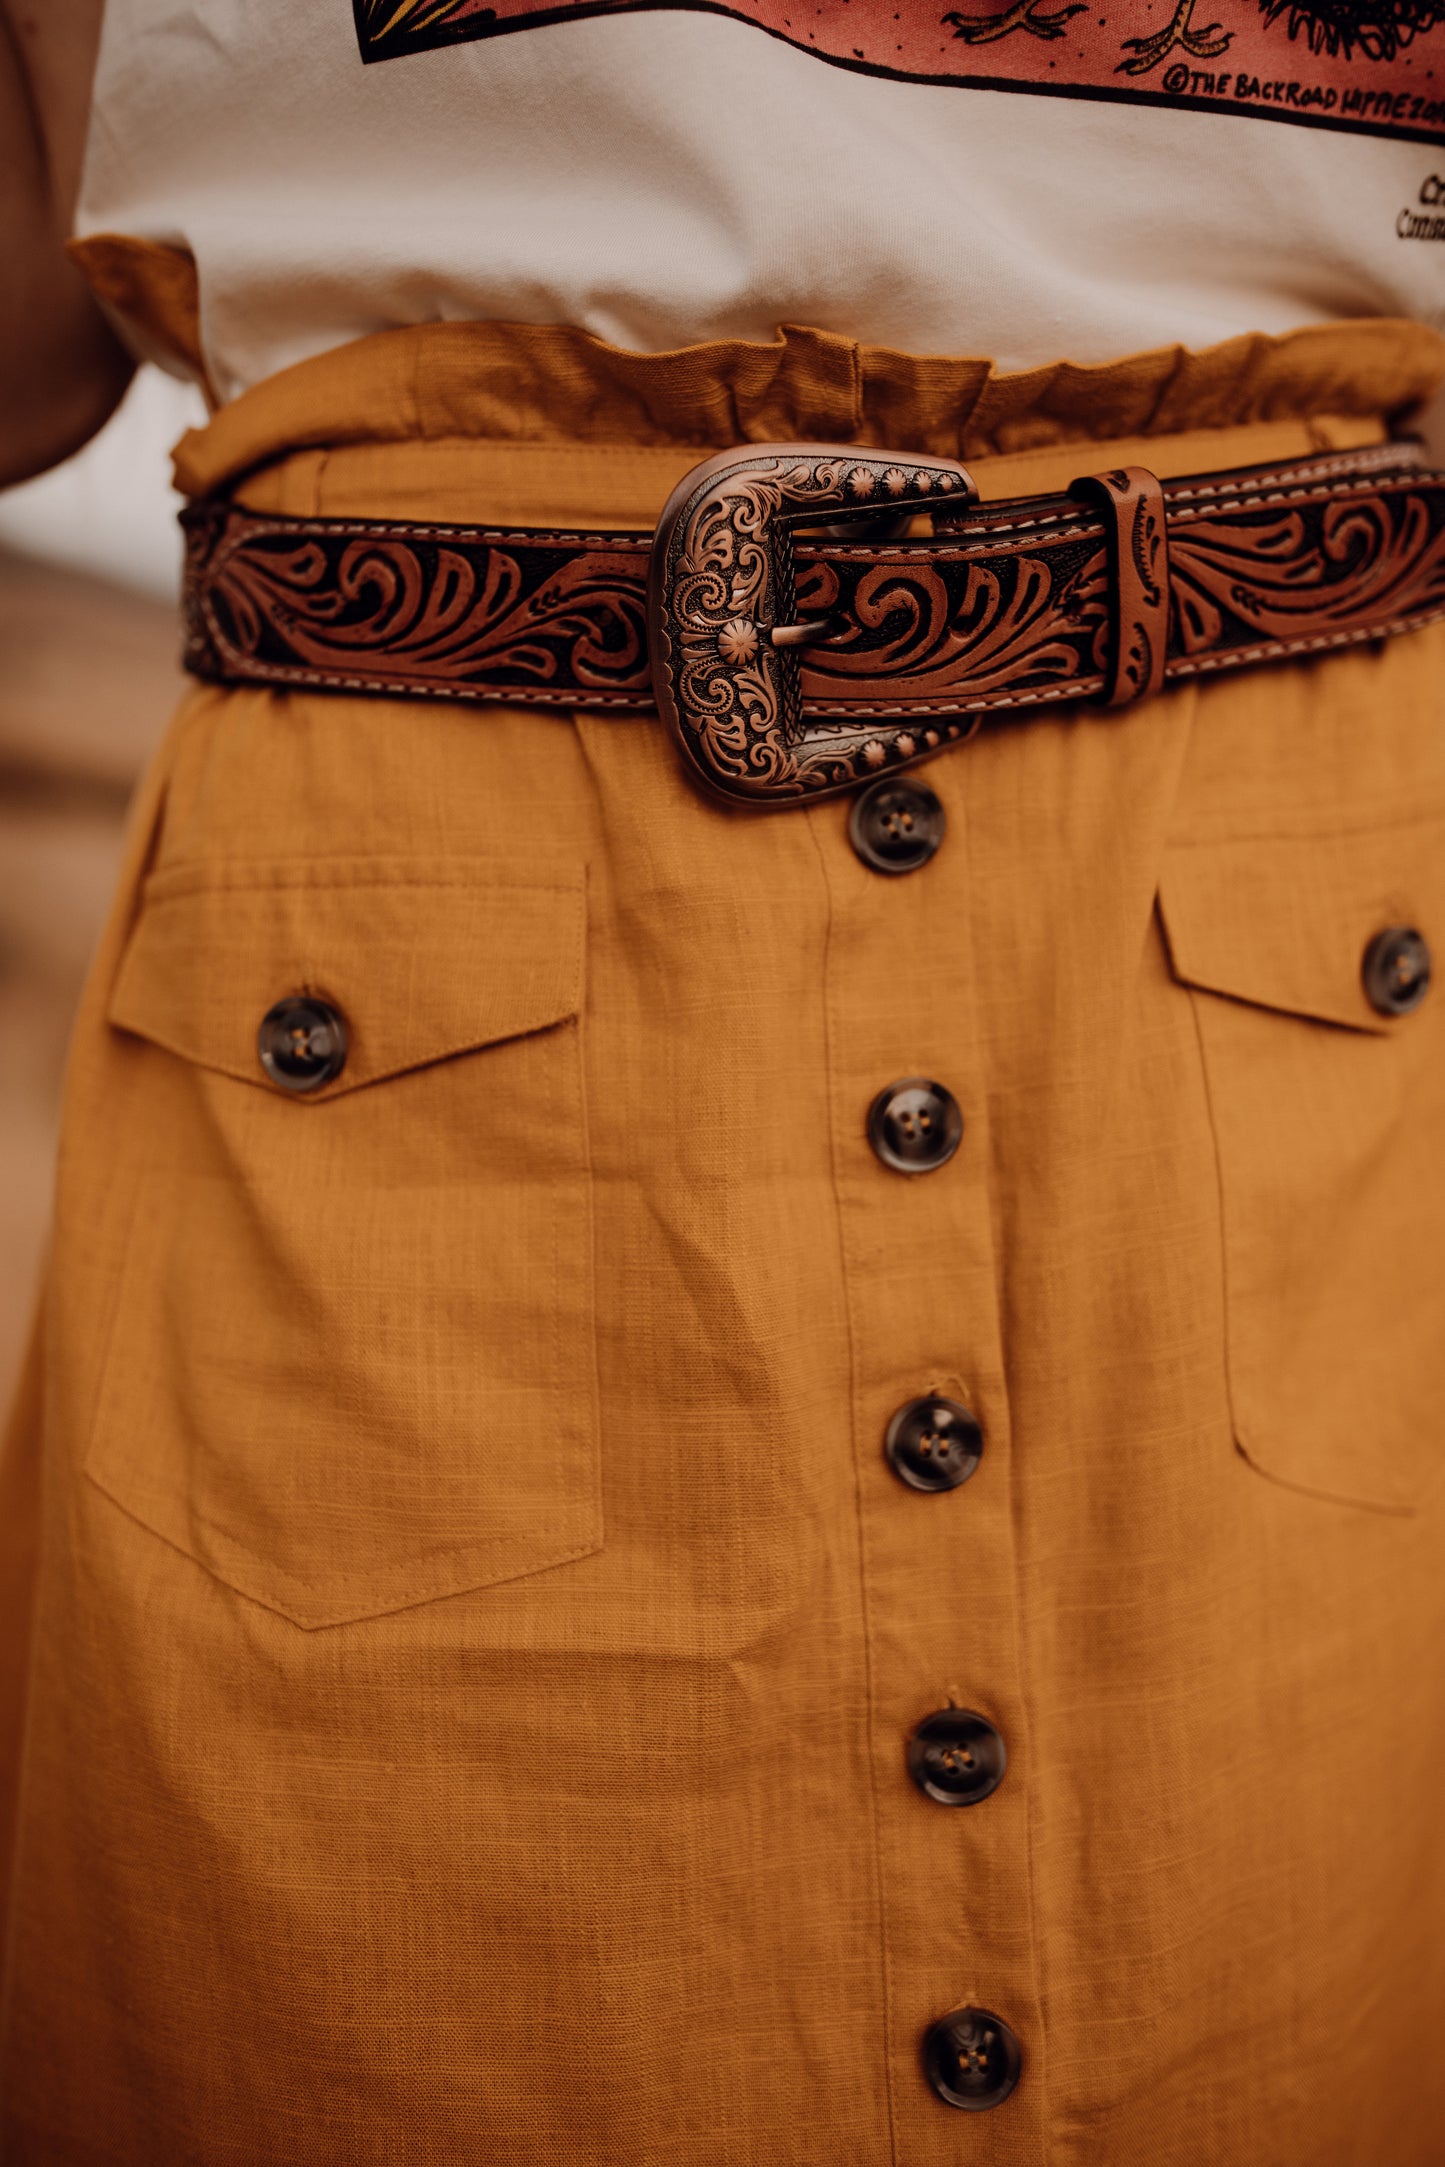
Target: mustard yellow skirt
(479, 1595)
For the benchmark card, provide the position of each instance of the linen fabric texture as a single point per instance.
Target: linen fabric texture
(463, 1630)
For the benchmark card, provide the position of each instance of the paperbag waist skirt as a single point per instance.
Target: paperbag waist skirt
(508, 1659)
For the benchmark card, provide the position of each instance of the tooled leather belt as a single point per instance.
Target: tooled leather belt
(795, 639)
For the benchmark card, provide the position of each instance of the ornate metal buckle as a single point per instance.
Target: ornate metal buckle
(726, 651)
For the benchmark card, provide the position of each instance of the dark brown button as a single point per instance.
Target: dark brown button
(956, 1757)
(302, 1043)
(915, 1126)
(933, 1444)
(895, 826)
(972, 2059)
(1397, 970)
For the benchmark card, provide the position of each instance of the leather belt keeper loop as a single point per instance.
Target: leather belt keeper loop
(792, 656)
(1132, 502)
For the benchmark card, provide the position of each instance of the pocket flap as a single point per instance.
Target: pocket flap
(1284, 921)
(422, 961)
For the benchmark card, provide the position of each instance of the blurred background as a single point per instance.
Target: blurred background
(89, 571)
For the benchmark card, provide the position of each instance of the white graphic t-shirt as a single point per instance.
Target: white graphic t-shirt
(1029, 180)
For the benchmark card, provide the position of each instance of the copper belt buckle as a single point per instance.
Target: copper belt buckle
(726, 649)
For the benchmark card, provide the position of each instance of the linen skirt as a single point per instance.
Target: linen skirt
(465, 1632)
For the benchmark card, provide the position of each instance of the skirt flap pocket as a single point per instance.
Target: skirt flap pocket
(352, 1365)
(1323, 1043)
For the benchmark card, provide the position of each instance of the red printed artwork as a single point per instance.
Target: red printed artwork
(1376, 66)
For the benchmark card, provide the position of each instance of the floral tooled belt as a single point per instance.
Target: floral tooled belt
(807, 617)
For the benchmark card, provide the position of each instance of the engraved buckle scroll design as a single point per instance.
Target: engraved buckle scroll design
(726, 652)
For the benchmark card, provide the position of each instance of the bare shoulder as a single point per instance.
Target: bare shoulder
(57, 42)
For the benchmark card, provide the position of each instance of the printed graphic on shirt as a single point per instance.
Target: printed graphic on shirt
(1374, 66)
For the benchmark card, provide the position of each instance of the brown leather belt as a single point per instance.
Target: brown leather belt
(792, 647)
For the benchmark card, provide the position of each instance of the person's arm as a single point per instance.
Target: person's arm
(62, 368)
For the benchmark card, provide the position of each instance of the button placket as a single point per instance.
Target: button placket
(933, 1445)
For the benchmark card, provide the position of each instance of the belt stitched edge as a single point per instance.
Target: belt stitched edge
(795, 639)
